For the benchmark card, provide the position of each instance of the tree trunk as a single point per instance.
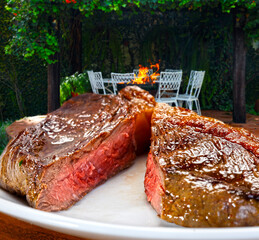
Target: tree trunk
(53, 84)
(54, 75)
(75, 55)
(239, 99)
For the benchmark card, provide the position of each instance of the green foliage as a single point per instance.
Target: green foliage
(102, 44)
(196, 36)
(250, 108)
(74, 85)
(35, 22)
(3, 135)
(34, 28)
(252, 73)
(23, 85)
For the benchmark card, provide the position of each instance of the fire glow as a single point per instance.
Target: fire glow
(144, 77)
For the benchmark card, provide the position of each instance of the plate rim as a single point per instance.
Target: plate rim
(89, 228)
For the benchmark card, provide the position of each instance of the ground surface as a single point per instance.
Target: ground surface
(252, 121)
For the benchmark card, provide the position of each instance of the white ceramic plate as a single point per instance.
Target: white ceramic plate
(116, 210)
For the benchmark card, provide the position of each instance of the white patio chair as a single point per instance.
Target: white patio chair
(96, 81)
(120, 78)
(91, 79)
(192, 91)
(136, 72)
(169, 85)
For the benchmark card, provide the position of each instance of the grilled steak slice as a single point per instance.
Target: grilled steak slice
(202, 172)
(75, 148)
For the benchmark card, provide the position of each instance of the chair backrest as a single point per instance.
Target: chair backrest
(120, 78)
(136, 72)
(91, 79)
(169, 82)
(173, 70)
(195, 83)
(96, 81)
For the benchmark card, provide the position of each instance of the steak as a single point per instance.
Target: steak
(77, 147)
(200, 171)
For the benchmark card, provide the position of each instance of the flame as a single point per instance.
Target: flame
(143, 76)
